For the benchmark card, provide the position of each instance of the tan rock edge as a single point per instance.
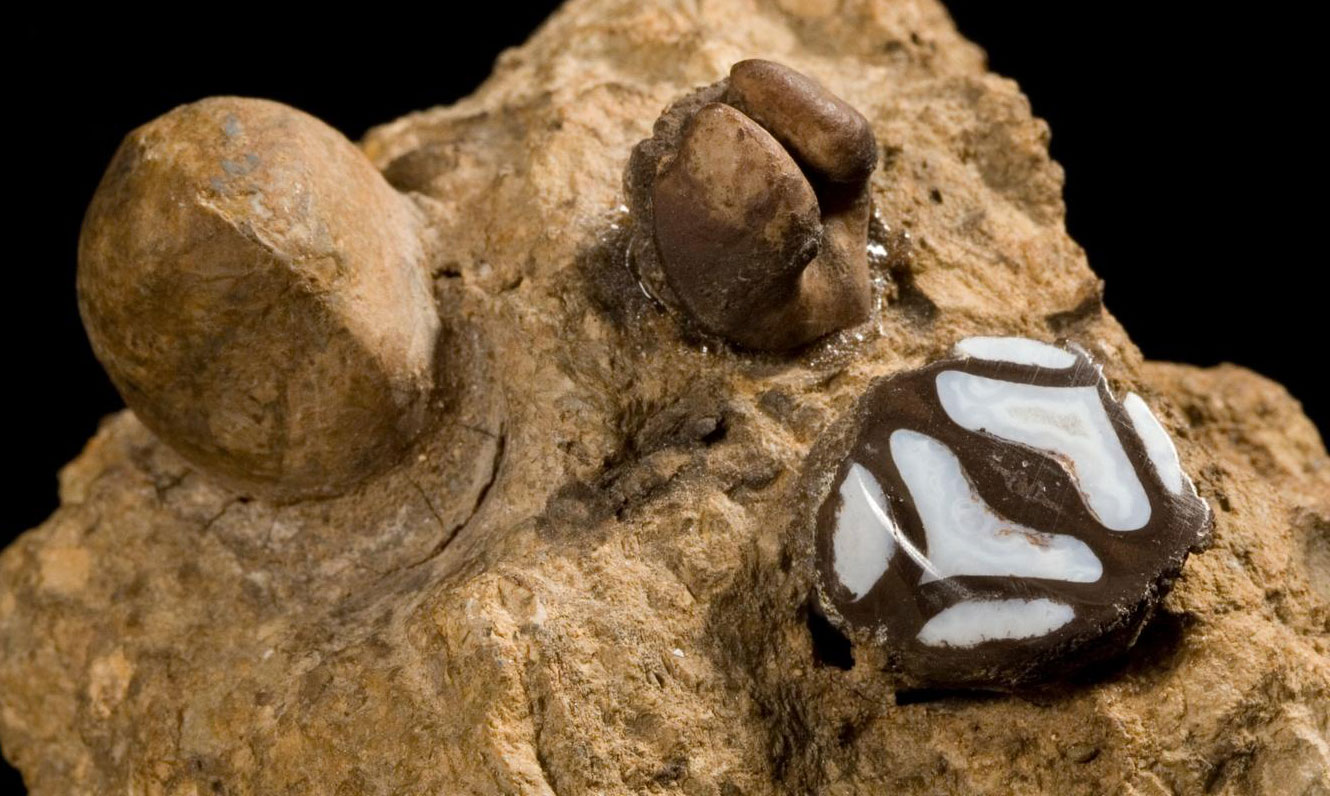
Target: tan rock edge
(586, 579)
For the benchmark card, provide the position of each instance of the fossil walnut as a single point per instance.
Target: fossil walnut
(752, 205)
(999, 518)
(257, 293)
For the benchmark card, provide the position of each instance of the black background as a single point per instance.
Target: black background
(1194, 165)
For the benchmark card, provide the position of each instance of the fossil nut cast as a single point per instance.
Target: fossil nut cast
(257, 293)
(755, 194)
(1000, 518)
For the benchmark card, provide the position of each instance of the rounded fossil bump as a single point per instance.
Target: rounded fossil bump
(1000, 518)
(257, 293)
(751, 207)
(735, 214)
(820, 129)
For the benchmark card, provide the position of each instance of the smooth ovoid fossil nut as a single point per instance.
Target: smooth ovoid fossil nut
(754, 195)
(999, 518)
(257, 293)
(818, 128)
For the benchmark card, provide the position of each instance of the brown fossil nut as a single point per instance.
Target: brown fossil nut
(820, 129)
(1000, 518)
(257, 293)
(754, 194)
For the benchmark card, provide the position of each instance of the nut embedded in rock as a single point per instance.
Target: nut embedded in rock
(257, 293)
(819, 129)
(504, 618)
(999, 518)
(754, 195)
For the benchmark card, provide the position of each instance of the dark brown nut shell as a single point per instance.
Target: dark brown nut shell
(755, 226)
(821, 130)
(994, 523)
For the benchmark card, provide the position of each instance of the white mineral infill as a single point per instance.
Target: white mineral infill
(1068, 422)
(1019, 350)
(965, 536)
(865, 537)
(1158, 445)
(973, 622)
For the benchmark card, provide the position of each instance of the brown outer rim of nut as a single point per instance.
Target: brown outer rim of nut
(1117, 610)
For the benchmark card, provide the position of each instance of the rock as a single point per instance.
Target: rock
(500, 612)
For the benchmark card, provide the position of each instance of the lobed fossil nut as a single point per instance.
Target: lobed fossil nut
(754, 193)
(1001, 519)
(256, 291)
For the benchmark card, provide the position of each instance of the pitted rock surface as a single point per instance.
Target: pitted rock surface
(588, 579)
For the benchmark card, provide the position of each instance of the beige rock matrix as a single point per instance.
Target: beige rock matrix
(533, 533)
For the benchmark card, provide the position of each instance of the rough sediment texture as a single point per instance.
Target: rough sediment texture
(587, 580)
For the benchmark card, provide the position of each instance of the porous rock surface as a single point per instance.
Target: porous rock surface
(586, 579)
